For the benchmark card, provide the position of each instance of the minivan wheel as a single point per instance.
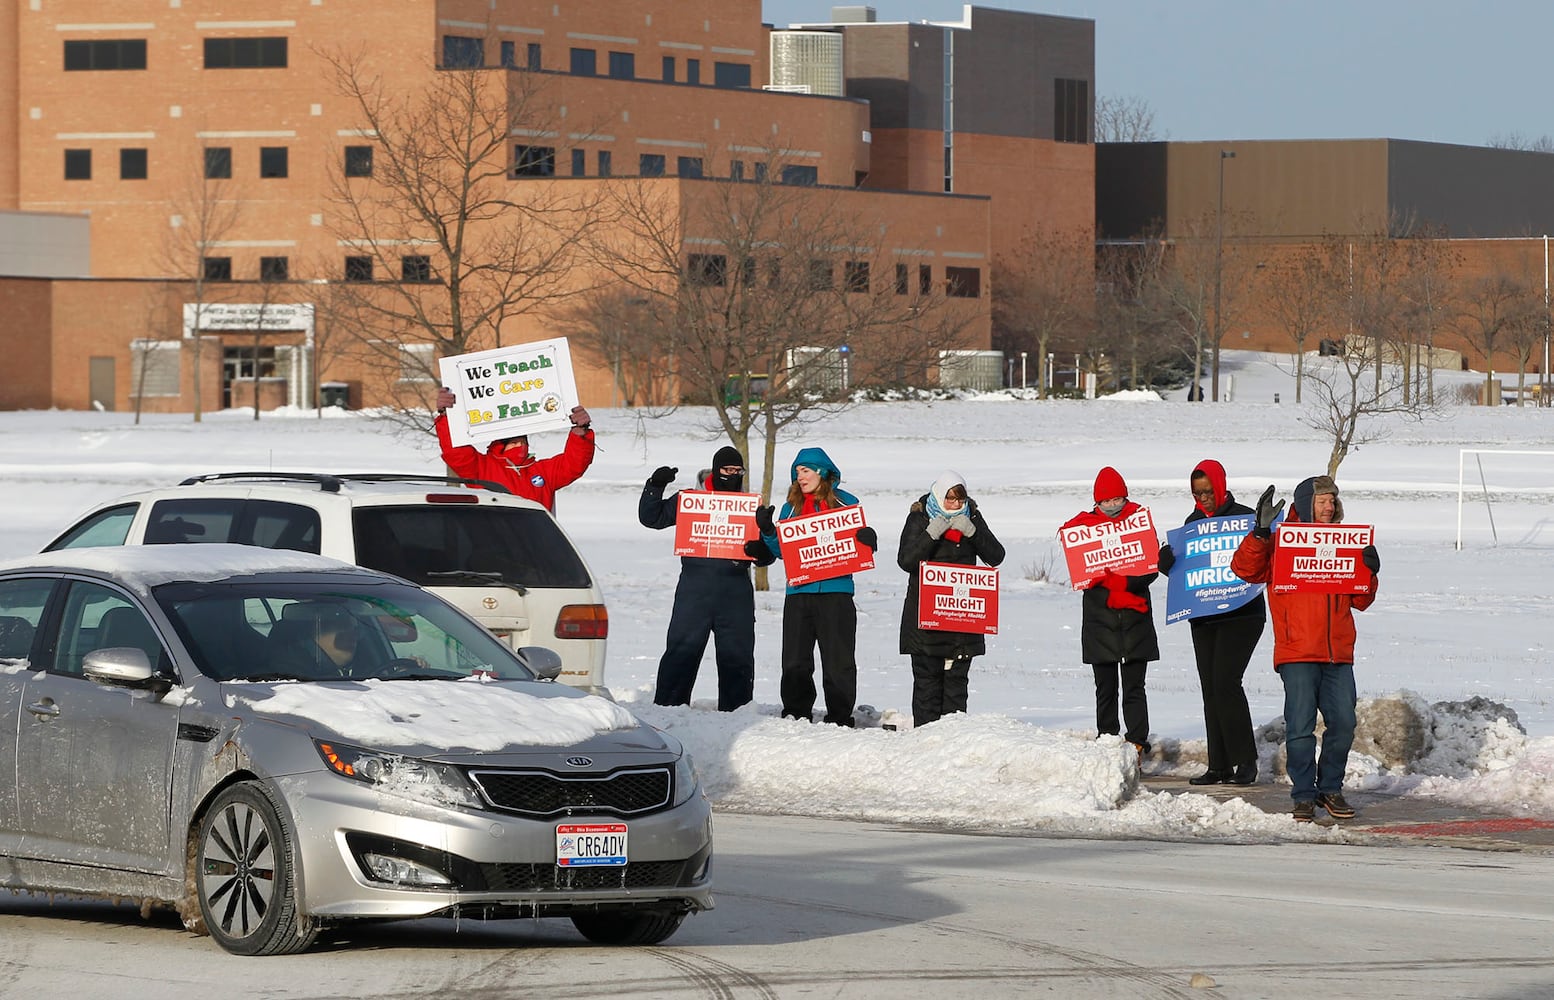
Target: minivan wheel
(628, 926)
(246, 876)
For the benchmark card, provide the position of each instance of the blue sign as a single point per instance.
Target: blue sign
(1201, 583)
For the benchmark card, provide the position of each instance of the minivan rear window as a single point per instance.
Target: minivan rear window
(524, 546)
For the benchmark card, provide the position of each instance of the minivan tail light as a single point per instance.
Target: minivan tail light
(583, 621)
(452, 498)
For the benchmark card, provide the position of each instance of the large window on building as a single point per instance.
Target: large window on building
(358, 268)
(903, 279)
(579, 163)
(706, 270)
(105, 53)
(274, 161)
(731, 75)
(857, 275)
(689, 166)
(216, 268)
(623, 65)
(358, 161)
(415, 269)
(132, 164)
(963, 282)
(534, 161)
(801, 175)
(462, 52)
(535, 62)
(1071, 111)
(650, 164)
(668, 69)
(693, 71)
(218, 162)
(604, 159)
(274, 268)
(585, 62)
(78, 164)
(245, 53)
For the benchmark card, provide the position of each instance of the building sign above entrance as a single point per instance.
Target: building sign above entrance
(220, 316)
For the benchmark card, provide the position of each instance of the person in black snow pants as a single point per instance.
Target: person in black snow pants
(714, 596)
(1117, 625)
(943, 526)
(1222, 645)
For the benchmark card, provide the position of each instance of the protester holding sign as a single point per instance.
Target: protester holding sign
(1222, 645)
(1117, 625)
(820, 612)
(508, 461)
(1313, 651)
(714, 597)
(943, 526)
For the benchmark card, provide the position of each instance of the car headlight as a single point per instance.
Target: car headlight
(685, 778)
(395, 774)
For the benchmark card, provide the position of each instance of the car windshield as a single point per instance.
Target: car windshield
(247, 630)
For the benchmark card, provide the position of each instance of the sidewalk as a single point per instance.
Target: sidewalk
(1390, 819)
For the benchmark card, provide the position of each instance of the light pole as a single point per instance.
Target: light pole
(1219, 268)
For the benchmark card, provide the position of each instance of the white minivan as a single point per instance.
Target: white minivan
(500, 558)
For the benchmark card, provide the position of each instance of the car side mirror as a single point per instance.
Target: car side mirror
(544, 661)
(119, 666)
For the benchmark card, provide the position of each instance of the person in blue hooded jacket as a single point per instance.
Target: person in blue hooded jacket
(820, 613)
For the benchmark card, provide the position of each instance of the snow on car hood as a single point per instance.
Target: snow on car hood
(440, 715)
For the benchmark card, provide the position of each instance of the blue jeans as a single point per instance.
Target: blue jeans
(1310, 688)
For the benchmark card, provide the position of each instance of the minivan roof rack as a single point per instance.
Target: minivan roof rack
(331, 483)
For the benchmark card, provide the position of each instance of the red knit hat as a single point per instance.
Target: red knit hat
(1108, 484)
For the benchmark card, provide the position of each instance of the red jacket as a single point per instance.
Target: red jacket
(535, 478)
(1307, 628)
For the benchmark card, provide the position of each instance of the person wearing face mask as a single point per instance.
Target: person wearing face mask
(1222, 646)
(943, 526)
(820, 613)
(1313, 652)
(714, 597)
(509, 462)
(1117, 625)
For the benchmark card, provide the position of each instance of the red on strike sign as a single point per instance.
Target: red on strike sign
(1321, 559)
(956, 598)
(1126, 545)
(823, 546)
(714, 525)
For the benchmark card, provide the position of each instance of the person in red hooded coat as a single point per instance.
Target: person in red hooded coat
(1117, 625)
(1222, 645)
(508, 461)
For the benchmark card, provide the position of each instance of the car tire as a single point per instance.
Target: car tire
(628, 926)
(245, 875)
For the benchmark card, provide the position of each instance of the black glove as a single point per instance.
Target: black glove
(760, 552)
(1267, 510)
(1371, 558)
(763, 519)
(869, 537)
(662, 476)
(1167, 559)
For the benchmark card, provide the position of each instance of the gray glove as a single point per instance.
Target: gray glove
(962, 523)
(938, 526)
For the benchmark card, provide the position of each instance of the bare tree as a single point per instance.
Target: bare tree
(1126, 118)
(449, 240)
(615, 329)
(1135, 321)
(743, 279)
(1516, 140)
(1428, 288)
(205, 211)
(1299, 291)
(1199, 262)
(1492, 308)
(1046, 294)
(1348, 400)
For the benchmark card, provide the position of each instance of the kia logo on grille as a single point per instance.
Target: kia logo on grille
(580, 761)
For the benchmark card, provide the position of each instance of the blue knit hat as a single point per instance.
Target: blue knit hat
(817, 459)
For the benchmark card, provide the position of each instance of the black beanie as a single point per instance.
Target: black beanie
(728, 455)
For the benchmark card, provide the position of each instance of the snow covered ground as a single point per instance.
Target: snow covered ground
(1449, 626)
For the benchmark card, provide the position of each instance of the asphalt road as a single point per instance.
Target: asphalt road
(813, 908)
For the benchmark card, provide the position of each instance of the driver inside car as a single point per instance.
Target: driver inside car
(319, 641)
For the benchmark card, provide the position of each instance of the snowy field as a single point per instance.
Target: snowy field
(1448, 625)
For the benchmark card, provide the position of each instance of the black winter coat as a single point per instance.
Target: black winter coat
(1113, 635)
(1257, 607)
(918, 546)
(654, 510)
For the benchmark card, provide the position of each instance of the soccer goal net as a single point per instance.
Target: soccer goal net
(1505, 491)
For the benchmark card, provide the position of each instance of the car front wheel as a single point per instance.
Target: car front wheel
(628, 926)
(246, 876)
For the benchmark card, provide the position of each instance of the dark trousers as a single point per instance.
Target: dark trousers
(938, 687)
(1135, 706)
(720, 605)
(831, 622)
(1223, 649)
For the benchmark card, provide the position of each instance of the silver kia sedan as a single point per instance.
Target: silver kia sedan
(274, 743)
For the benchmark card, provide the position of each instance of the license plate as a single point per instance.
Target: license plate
(581, 845)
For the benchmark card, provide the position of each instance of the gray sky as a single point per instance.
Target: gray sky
(1435, 70)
